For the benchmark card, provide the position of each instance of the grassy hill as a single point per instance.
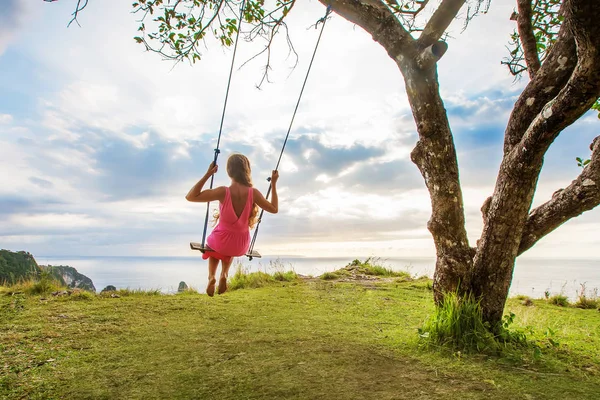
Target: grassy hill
(21, 266)
(17, 266)
(304, 339)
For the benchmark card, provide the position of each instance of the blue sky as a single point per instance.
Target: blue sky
(100, 141)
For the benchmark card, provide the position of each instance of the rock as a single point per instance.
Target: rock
(109, 288)
(182, 287)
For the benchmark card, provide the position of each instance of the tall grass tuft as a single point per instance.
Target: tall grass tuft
(329, 276)
(457, 324)
(281, 274)
(285, 276)
(559, 300)
(372, 266)
(242, 279)
(45, 283)
(39, 283)
(587, 302)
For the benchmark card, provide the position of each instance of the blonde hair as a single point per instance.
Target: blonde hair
(238, 169)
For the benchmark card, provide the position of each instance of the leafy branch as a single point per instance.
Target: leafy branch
(546, 21)
(177, 29)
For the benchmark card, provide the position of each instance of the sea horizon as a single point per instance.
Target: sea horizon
(533, 276)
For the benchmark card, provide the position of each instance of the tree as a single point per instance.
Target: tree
(557, 42)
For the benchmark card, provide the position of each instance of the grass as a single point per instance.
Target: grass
(369, 268)
(329, 276)
(305, 340)
(44, 283)
(587, 301)
(457, 324)
(559, 300)
(242, 279)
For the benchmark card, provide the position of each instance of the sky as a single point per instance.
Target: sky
(100, 140)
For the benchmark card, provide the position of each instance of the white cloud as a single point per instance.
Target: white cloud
(65, 221)
(120, 137)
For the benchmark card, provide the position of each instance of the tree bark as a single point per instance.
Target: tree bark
(435, 156)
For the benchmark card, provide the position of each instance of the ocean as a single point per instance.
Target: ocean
(532, 277)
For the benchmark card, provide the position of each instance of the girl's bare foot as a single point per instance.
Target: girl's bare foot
(210, 289)
(222, 285)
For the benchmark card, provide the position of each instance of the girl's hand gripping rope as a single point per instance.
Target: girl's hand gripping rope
(212, 169)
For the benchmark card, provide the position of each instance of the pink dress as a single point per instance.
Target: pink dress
(231, 236)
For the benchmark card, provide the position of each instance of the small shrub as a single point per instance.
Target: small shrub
(42, 283)
(244, 280)
(457, 323)
(82, 295)
(559, 300)
(368, 267)
(382, 271)
(329, 276)
(587, 302)
(287, 276)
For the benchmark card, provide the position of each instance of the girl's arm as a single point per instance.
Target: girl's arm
(269, 206)
(196, 194)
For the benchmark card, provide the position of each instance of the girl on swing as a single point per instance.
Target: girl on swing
(238, 208)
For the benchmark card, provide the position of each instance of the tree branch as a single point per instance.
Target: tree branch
(525, 27)
(581, 91)
(583, 194)
(439, 22)
(547, 83)
(78, 8)
(377, 19)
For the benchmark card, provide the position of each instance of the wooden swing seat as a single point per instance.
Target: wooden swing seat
(202, 249)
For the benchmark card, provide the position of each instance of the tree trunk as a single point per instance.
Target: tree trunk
(562, 89)
(435, 156)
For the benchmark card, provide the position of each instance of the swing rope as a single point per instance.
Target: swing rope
(322, 21)
(217, 151)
